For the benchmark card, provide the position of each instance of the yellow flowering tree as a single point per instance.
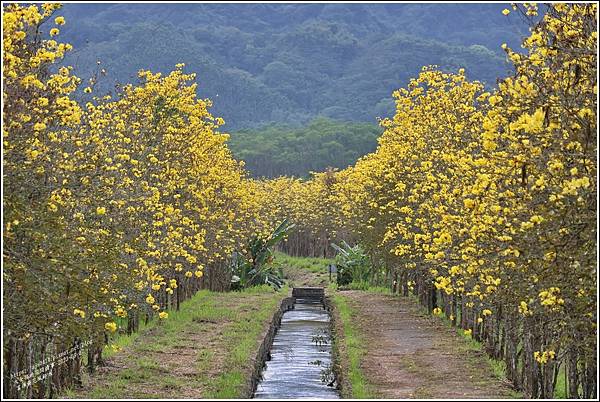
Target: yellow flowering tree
(115, 207)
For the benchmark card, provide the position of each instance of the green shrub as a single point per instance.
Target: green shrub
(255, 266)
(352, 264)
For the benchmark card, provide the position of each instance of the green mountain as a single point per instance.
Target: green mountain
(288, 63)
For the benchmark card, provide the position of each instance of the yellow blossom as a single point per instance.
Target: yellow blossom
(110, 326)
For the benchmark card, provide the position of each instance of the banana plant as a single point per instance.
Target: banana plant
(255, 266)
(352, 264)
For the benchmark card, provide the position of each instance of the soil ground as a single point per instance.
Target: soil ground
(412, 355)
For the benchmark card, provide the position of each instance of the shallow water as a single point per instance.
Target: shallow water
(300, 365)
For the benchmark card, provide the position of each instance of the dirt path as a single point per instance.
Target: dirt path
(411, 355)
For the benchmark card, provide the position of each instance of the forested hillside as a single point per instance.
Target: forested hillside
(288, 63)
(276, 150)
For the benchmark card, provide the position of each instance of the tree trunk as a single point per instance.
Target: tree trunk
(573, 374)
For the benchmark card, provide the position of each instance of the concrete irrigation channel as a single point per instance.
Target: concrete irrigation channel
(296, 355)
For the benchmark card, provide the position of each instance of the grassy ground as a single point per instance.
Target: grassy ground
(205, 350)
(300, 271)
(560, 390)
(351, 350)
(367, 287)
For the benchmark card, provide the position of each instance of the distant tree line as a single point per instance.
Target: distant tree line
(276, 150)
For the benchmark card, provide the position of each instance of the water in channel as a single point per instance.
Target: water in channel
(300, 365)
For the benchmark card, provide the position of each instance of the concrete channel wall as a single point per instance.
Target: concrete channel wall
(309, 293)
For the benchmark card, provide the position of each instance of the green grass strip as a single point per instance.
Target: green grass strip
(355, 349)
(242, 338)
(312, 264)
